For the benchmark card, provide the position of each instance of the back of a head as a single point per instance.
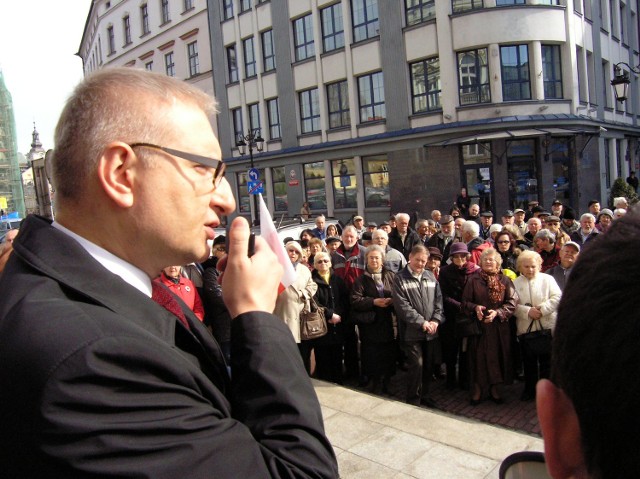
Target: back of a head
(596, 357)
(114, 104)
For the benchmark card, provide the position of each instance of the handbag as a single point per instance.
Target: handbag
(467, 325)
(538, 341)
(312, 322)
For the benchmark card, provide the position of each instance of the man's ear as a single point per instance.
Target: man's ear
(560, 431)
(116, 173)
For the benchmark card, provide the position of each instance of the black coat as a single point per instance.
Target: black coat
(335, 299)
(375, 324)
(412, 239)
(216, 315)
(98, 380)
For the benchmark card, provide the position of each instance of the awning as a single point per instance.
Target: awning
(512, 134)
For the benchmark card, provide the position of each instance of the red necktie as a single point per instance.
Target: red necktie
(165, 299)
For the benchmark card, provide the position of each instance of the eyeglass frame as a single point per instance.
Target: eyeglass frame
(219, 165)
(323, 261)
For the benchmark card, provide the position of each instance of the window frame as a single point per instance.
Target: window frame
(275, 132)
(126, 27)
(482, 89)
(556, 70)
(428, 93)
(268, 52)
(111, 36)
(144, 19)
(165, 13)
(249, 58)
(237, 123)
(254, 116)
(367, 24)
(194, 60)
(169, 64)
(232, 64)
(336, 37)
(343, 112)
(245, 5)
(521, 68)
(309, 100)
(374, 104)
(187, 5)
(303, 43)
(458, 6)
(227, 9)
(419, 7)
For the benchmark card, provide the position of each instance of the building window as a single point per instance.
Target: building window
(309, 111)
(144, 15)
(126, 26)
(552, 71)
(236, 117)
(194, 62)
(249, 58)
(188, 5)
(149, 66)
(376, 181)
(338, 100)
(514, 61)
(279, 182)
(425, 85)
(274, 119)
(332, 28)
(371, 97)
(501, 3)
(343, 173)
(316, 193)
(169, 65)
(365, 19)
(560, 155)
(303, 37)
(245, 5)
(244, 202)
(473, 77)
(164, 8)
(268, 54)
(227, 9)
(232, 64)
(465, 5)
(112, 40)
(419, 11)
(254, 116)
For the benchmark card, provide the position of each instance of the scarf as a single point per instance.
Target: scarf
(377, 279)
(496, 288)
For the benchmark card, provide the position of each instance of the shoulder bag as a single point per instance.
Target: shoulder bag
(312, 322)
(538, 341)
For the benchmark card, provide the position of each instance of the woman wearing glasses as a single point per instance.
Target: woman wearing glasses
(372, 308)
(332, 296)
(509, 251)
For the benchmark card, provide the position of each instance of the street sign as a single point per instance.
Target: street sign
(256, 187)
(254, 174)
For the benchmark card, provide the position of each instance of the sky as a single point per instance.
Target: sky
(38, 42)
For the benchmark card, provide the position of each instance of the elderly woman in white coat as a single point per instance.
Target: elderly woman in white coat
(292, 300)
(539, 297)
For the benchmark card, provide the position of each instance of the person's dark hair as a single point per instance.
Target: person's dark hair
(512, 239)
(455, 209)
(596, 362)
(308, 231)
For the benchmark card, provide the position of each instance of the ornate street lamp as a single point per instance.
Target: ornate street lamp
(251, 141)
(621, 80)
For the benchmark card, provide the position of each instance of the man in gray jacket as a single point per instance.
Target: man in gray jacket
(417, 300)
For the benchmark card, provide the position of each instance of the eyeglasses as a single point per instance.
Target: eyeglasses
(323, 261)
(220, 248)
(219, 165)
(504, 242)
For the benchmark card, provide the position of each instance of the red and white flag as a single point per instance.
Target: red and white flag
(269, 233)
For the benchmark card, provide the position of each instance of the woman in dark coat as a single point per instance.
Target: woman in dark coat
(371, 310)
(332, 295)
(452, 279)
(463, 202)
(490, 297)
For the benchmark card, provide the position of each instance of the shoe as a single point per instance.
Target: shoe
(497, 400)
(474, 402)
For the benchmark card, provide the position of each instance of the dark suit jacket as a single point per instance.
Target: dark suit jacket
(97, 380)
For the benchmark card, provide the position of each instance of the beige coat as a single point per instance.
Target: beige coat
(543, 292)
(291, 301)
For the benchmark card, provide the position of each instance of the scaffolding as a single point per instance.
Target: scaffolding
(10, 177)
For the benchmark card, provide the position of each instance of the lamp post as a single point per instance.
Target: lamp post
(252, 140)
(621, 80)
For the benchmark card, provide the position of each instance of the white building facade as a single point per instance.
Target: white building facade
(379, 106)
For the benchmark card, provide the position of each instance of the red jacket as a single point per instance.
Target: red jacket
(186, 291)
